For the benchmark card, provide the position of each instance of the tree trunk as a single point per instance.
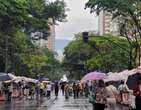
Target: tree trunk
(130, 66)
(139, 59)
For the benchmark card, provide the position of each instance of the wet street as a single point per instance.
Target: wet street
(53, 104)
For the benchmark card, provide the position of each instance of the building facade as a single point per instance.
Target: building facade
(50, 42)
(106, 24)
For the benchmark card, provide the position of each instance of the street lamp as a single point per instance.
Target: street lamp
(6, 54)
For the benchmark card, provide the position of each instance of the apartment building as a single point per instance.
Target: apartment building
(50, 42)
(106, 24)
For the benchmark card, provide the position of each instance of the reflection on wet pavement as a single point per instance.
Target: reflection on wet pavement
(44, 104)
(21, 104)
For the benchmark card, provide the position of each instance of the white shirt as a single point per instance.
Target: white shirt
(49, 87)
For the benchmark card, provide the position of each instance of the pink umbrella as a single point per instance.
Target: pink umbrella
(94, 76)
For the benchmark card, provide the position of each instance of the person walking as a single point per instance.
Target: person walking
(66, 91)
(78, 88)
(86, 90)
(112, 93)
(62, 87)
(48, 90)
(56, 87)
(137, 93)
(124, 92)
(100, 96)
(74, 90)
(37, 90)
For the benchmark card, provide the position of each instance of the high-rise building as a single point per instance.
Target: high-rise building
(50, 42)
(106, 24)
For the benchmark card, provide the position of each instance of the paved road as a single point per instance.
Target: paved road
(78, 104)
(25, 104)
(44, 104)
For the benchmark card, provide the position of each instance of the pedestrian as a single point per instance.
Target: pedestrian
(56, 87)
(112, 93)
(124, 92)
(26, 91)
(137, 93)
(78, 88)
(31, 92)
(37, 90)
(10, 91)
(6, 90)
(48, 90)
(89, 85)
(86, 90)
(94, 86)
(42, 89)
(62, 87)
(100, 96)
(74, 90)
(66, 90)
(92, 95)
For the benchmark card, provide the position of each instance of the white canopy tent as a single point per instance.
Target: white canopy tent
(122, 75)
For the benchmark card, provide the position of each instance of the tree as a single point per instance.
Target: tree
(29, 15)
(101, 53)
(128, 11)
(18, 19)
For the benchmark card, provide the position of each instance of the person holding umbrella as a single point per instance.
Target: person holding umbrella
(56, 88)
(100, 96)
(137, 93)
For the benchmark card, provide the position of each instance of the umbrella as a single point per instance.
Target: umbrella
(43, 79)
(13, 77)
(94, 76)
(117, 76)
(132, 80)
(4, 77)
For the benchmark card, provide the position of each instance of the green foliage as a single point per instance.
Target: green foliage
(128, 13)
(29, 15)
(116, 7)
(18, 19)
(102, 53)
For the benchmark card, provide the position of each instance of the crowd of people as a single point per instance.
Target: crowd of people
(27, 90)
(105, 96)
(109, 95)
(114, 96)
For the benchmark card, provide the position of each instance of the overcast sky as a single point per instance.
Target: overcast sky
(79, 20)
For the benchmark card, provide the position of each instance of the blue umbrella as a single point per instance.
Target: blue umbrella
(4, 77)
(44, 79)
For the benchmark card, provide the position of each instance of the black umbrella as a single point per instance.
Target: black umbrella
(4, 77)
(132, 80)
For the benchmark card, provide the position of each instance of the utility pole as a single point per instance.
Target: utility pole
(6, 54)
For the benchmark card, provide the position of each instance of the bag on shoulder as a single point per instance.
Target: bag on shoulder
(91, 99)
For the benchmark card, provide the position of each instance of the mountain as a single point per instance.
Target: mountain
(60, 44)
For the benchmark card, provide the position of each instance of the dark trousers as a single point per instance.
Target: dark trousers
(56, 92)
(77, 93)
(74, 92)
(9, 96)
(98, 106)
(138, 103)
(48, 94)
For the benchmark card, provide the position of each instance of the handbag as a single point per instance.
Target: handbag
(91, 99)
